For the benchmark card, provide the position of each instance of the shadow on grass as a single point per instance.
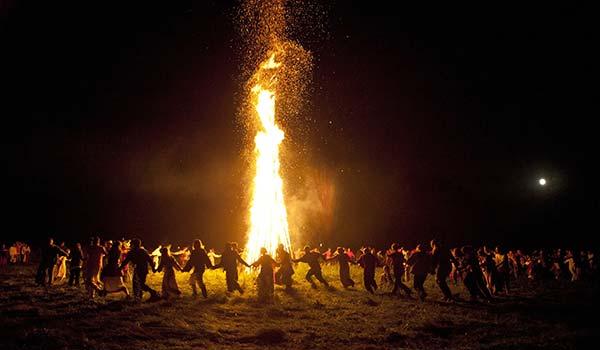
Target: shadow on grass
(268, 336)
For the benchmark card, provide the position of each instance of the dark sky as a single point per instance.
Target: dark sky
(121, 120)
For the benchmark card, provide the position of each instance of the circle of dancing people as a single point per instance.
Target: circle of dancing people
(484, 272)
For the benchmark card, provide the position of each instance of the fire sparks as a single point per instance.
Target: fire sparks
(268, 216)
(278, 71)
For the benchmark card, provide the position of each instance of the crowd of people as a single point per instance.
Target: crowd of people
(17, 253)
(108, 266)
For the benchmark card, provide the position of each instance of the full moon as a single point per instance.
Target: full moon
(542, 181)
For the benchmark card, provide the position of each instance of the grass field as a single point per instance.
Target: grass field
(560, 317)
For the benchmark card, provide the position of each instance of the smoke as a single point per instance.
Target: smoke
(311, 209)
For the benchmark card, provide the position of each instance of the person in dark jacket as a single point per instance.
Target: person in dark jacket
(344, 263)
(229, 262)
(420, 266)
(369, 262)
(141, 260)
(397, 260)
(472, 275)
(312, 259)
(76, 258)
(285, 271)
(199, 261)
(48, 259)
(441, 264)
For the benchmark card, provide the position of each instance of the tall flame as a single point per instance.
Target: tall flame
(268, 216)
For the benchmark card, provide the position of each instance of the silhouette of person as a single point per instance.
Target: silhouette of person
(264, 280)
(472, 274)
(312, 259)
(168, 264)
(285, 271)
(441, 264)
(420, 266)
(369, 262)
(48, 258)
(229, 261)
(76, 258)
(344, 263)
(141, 260)
(398, 266)
(112, 275)
(199, 261)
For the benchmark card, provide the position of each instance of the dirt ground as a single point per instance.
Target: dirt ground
(550, 316)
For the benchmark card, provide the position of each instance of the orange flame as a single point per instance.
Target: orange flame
(268, 215)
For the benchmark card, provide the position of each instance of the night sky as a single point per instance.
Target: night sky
(120, 120)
